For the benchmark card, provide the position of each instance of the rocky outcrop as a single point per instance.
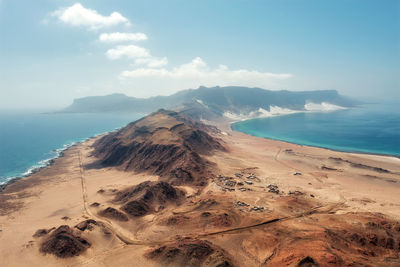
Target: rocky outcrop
(148, 197)
(164, 143)
(190, 253)
(64, 242)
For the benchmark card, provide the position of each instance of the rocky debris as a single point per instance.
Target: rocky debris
(242, 204)
(297, 173)
(360, 166)
(296, 193)
(65, 218)
(146, 197)
(323, 167)
(273, 189)
(190, 253)
(177, 219)
(114, 214)
(86, 224)
(248, 182)
(95, 204)
(206, 214)
(101, 191)
(64, 242)
(257, 208)
(311, 195)
(240, 184)
(164, 143)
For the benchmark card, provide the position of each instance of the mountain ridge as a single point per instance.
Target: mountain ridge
(233, 99)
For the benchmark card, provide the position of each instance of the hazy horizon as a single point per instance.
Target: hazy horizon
(55, 51)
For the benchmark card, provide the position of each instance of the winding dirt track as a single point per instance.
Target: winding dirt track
(127, 238)
(117, 231)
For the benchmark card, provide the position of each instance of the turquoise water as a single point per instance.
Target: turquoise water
(368, 129)
(28, 140)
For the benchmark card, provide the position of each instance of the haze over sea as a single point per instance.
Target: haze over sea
(373, 128)
(28, 140)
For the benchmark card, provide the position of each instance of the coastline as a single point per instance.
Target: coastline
(227, 121)
(322, 146)
(47, 163)
(297, 191)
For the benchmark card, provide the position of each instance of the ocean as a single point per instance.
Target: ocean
(372, 128)
(29, 140)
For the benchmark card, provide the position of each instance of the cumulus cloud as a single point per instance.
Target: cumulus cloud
(122, 37)
(197, 68)
(129, 51)
(152, 62)
(78, 15)
(161, 80)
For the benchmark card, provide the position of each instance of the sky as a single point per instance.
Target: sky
(54, 51)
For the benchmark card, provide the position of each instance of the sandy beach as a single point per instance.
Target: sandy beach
(267, 203)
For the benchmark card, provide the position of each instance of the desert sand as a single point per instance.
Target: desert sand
(266, 203)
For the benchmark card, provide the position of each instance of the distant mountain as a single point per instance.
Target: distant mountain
(217, 100)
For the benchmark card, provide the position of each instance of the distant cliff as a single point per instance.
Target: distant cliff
(216, 99)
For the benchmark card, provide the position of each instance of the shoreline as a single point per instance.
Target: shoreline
(32, 171)
(322, 147)
(60, 151)
(306, 201)
(230, 123)
(48, 162)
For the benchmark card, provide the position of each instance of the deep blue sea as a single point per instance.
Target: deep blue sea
(29, 139)
(373, 128)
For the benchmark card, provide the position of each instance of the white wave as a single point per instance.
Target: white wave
(324, 106)
(55, 153)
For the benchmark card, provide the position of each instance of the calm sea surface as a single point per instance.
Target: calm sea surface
(29, 139)
(369, 129)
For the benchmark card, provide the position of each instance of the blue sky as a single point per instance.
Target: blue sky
(54, 51)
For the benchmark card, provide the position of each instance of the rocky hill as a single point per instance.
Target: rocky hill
(164, 143)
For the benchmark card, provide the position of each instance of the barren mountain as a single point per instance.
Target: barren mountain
(164, 143)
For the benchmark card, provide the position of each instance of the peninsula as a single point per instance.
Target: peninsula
(171, 190)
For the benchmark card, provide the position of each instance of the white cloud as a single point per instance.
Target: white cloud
(152, 62)
(78, 15)
(165, 81)
(130, 51)
(122, 37)
(197, 68)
